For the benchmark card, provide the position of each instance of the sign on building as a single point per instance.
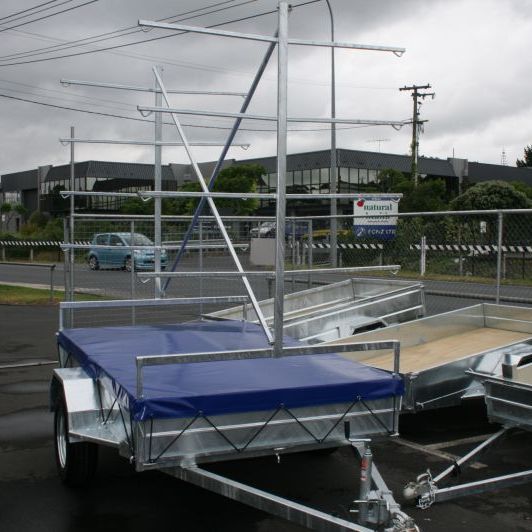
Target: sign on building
(374, 216)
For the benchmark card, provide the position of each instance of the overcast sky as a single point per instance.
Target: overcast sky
(476, 54)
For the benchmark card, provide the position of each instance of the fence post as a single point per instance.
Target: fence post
(499, 255)
(31, 254)
(52, 269)
(423, 257)
(3, 253)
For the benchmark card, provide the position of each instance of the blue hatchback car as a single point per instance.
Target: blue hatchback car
(118, 252)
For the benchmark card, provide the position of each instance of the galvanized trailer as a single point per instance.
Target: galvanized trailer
(338, 310)
(437, 351)
(508, 397)
(172, 397)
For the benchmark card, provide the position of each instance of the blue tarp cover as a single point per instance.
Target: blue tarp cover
(184, 390)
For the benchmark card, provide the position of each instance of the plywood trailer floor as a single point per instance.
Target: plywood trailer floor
(441, 351)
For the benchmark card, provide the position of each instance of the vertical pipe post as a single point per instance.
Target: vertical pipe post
(280, 212)
(66, 263)
(333, 178)
(158, 182)
(132, 278)
(71, 254)
(201, 263)
(310, 252)
(499, 255)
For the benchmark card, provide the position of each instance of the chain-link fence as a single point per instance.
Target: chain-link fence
(462, 258)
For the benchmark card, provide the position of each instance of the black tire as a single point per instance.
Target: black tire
(128, 264)
(93, 263)
(76, 462)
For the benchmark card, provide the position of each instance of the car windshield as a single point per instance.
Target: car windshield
(138, 240)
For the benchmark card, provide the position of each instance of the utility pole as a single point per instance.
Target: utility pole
(416, 122)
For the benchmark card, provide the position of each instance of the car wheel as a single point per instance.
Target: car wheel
(93, 263)
(128, 264)
(76, 462)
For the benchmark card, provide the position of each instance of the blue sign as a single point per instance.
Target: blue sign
(381, 232)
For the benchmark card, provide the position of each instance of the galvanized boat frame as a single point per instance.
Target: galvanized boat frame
(88, 410)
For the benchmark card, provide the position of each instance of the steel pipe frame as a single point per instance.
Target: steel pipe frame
(265, 38)
(223, 153)
(67, 82)
(147, 110)
(233, 195)
(282, 149)
(272, 273)
(264, 501)
(145, 142)
(187, 358)
(133, 303)
(215, 212)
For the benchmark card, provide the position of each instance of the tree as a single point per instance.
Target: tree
(389, 178)
(136, 206)
(429, 195)
(239, 179)
(526, 161)
(490, 195)
(8, 210)
(523, 187)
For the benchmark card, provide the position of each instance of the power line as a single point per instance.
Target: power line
(36, 12)
(28, 9)
(118, 46)
(146, 120)
(136, 29)
(50, 15)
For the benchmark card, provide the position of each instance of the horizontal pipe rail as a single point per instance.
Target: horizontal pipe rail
(146, 110)
(266, 38)
(183, 217)
(228, 195)
(271, 273)
(247, 354)
(114, 303)
(129, 303)
(145, 142)
(67, 82)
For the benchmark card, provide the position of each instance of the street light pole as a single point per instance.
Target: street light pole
(333, 178)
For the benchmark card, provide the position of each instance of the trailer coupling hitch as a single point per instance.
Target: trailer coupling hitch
(423, 489)
(378, 512)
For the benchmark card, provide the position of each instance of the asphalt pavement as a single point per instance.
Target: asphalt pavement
(33, 499)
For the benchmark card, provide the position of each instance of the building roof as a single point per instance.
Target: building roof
(487, 172)
(19, 181)
(107, 169)
(357, 159)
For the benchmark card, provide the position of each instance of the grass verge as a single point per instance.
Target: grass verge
(22, 295)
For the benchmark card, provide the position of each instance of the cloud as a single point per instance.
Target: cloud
(474, 54)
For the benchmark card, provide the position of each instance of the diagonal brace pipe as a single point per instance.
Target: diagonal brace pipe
(216, 214)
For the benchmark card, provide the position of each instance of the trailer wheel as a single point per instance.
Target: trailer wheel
(76, 462)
